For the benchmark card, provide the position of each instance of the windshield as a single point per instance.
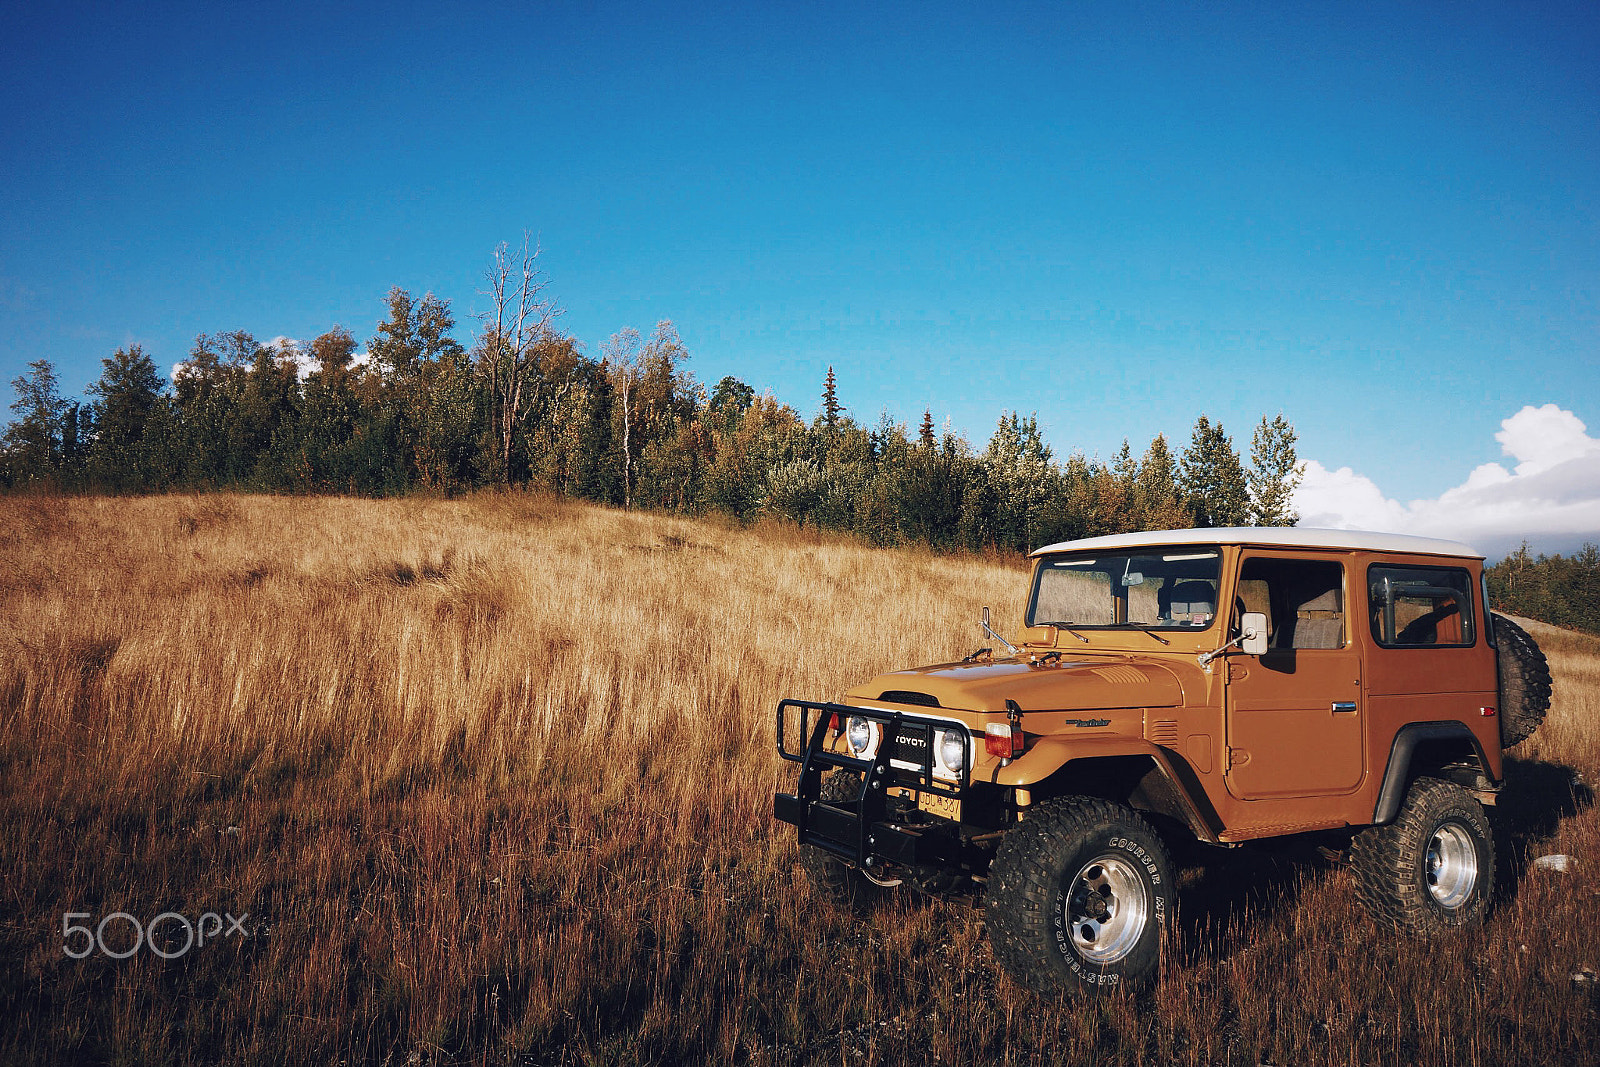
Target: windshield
(1158, 589)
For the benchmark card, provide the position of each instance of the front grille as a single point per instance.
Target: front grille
(911, 744)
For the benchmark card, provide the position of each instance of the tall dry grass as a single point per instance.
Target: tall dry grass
(492, 779)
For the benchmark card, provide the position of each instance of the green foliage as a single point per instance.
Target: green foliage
(33, 445)
(1021, 482)
(831, 408)
(1211, 478)
(129, 390)
(1560, 590)
(528, 407)
(731, 399)
(1275, 472)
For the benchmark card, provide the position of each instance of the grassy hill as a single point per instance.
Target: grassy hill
(491, 780)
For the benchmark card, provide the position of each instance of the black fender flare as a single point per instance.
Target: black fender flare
(1397, 776)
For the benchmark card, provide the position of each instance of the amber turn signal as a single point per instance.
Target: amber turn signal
(1003, 739)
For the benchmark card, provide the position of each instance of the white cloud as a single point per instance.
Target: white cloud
(1551, 498)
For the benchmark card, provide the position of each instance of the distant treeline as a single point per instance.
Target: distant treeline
(526, 406)
(1561, 590)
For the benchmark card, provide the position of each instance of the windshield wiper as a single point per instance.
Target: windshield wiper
(1143, 627)
(1067, 626)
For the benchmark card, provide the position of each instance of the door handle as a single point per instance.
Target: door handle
(1344, 707)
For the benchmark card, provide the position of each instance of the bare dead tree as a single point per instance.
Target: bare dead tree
(622, 361)
(521, 318)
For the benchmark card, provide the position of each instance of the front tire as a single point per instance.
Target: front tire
(1432, 869)
(1079, 894)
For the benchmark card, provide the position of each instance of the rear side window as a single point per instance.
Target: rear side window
(1417, 606)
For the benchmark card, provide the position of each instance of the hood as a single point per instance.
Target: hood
(1065, 685)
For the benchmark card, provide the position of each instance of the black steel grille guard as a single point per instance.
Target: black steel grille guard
(861, 831)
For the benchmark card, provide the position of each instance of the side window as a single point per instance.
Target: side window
(1303, 600)
(1420, 606)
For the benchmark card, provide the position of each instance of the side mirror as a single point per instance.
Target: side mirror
(1253, 630)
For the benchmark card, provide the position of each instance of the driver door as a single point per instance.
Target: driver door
(1294, 713)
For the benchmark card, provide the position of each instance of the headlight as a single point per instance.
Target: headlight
(861, 735)
(953, 751)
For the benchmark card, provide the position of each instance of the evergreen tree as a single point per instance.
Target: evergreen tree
(1212, 479)
(730, 400)
(929, 487)
(1074, 511)
(1018, 468)
(831, 408)
(1275, 473)
(129, 388)
(1121, 497)
(1156, 489)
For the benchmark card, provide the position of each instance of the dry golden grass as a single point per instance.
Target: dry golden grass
(492, 779)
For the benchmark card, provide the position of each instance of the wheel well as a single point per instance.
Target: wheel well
(1135, 780)
(1445, 750)
(1445, 758)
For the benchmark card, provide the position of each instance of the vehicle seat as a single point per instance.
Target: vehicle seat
(1319, 622)
(1254, 595)
(1188, 602)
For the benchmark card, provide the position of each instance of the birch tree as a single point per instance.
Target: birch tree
(622, 361)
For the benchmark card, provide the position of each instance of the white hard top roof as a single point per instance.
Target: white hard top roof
(1277, 536)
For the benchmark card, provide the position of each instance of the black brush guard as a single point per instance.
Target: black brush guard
(862, 831)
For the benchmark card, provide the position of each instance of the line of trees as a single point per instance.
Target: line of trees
(1561, 590)
(526, 406)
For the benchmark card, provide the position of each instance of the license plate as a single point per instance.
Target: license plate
(942, 806)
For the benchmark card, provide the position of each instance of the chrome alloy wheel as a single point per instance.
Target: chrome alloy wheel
(1452, 866)
(1107, 909)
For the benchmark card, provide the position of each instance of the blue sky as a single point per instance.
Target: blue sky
(1383, 221)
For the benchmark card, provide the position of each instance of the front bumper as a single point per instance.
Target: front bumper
(873, 828)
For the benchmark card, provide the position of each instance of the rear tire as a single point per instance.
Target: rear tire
(1524, 682)
(1432, 869)
(1079, 894)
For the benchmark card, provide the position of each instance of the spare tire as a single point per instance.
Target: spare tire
(1524, 682)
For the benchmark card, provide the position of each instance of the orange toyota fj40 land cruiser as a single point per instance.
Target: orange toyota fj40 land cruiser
(1226, 684)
